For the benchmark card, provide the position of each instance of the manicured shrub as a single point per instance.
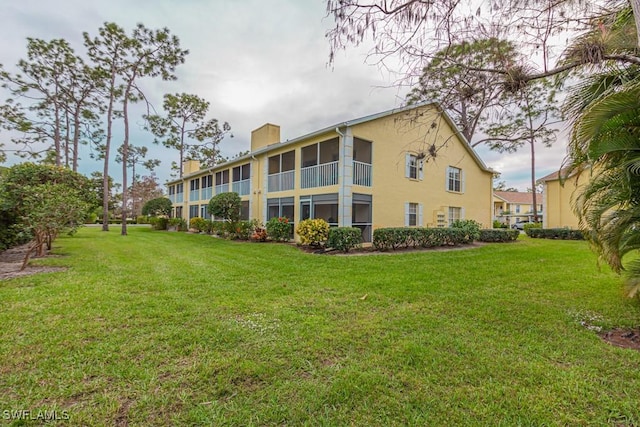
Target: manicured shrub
(530, 225)
(157, 207)
(198, 224)
(344, 238)
(498, 224)
(178, 223)
(159, 222)
(313, 232)
(498, 235)
(279, 229)
(470, 227)
(555, 233)
(226, 206)
(243, 230)
(413, 237)
(259, 234)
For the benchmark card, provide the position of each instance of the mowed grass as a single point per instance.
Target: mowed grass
(160, 328)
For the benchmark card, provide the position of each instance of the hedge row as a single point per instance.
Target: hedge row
(405, 237)
(554, 233)
(498, 235)
(344, 238)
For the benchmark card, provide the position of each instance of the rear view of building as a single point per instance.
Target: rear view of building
(403, 167)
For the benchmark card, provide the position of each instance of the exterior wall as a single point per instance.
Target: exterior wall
(391, 137)
(265, 135)
(558, 205)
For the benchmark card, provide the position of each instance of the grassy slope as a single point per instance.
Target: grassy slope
(158, 328)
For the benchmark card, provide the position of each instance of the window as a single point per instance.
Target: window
(204, 212)
(517, 208)
(455, 213)
(194, 190)
(241, 173)
(281, 172)
(222, 181)
(454, 179)
(172, 190)
(413, 214)
(207, 181)
(323, 206)
(194, 210)
(244, 210)
(413, 167)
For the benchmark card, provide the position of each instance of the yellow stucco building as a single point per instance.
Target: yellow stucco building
(559, 193)
(403, 167)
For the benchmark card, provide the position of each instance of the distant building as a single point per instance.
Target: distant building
(375, 171)
(560, 189)
(510, 207)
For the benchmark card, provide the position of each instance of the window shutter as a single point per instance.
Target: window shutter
(446, 178)
(421, 170)
(407, 165)
(420, 224)
(462, 181)
(462, 216)
(406, 214)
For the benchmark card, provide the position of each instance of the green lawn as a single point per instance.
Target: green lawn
(160, 328)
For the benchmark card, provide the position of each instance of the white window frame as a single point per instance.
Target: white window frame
(449, 179)
(452, 217)
(418, 212)
(413, 163)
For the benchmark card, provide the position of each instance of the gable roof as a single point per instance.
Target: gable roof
(518, 197)
(343, 125)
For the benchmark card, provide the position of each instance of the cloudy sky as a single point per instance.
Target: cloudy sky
(255, 61)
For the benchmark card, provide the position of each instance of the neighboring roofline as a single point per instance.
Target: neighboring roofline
(345, 124)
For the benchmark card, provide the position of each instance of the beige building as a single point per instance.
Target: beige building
(559, 193)
(510, 207)
(402, 167)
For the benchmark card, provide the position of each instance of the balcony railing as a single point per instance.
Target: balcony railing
(222, 188)
(320, 175)
(179, 197)
(172, 197)
(362, 174)
(194, 195)
(281, 181)
(241, 187)
(206, 193)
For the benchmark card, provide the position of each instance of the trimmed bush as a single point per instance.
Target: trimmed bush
(159, 222)
(414, 237)
(470, 227)
(243, 230)
(179, 224)
(498, 235)
(199, 224)
(344, 238)
(313, 232)
(279, 229)
(530, 225)
(555, 233)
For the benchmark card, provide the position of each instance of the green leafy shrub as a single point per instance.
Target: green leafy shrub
(555, 233)
(159, 222)
(470, 227)
(142, 219)
(178, 223)
(279, 229)
(245, 229)
(198, 224)
(219, 228)
(529, 225)
(413, 237)
(313, 232)
(344, 238)
(498, 224)
(498, 235)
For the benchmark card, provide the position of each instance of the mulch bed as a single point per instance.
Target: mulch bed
(11, 261)
(625, 338)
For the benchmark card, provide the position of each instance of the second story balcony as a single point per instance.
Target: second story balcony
(319, 175)
(362, 174)
(281, 181)
(241, 187)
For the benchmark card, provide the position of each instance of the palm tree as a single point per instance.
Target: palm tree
(604, 108)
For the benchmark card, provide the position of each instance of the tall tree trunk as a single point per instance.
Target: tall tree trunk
(106, 193)
(76, 137)
(125, 156)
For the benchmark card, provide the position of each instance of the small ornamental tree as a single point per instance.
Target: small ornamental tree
(157, 207)
(226, 206)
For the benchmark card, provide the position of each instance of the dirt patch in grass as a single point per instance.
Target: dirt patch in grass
(625, 338)
(11, 262)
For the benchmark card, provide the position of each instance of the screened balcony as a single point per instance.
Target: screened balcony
(222, 182)
(241, 179)
(362, 170)
(320, 164)
(281, 175)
